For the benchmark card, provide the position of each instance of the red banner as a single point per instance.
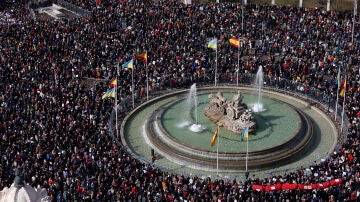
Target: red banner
(323, 185)
(335, 182)
(257, 187)
(289, 186)
(307, 186)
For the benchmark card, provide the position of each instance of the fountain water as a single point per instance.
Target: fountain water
(193, 97)
(191, 103)
(258, 84)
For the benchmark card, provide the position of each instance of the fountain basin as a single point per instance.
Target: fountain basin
(173, 148)
(176, 150)
(268, 121)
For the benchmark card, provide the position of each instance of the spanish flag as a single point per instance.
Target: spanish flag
(234, 42)
(142, 56)
(214, 138)
(113, 83)
(343, 89)
(213, 44)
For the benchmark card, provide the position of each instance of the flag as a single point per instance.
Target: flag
(142, 56)
(109, 93)
(244, 134)
(234, 42)
(163, 183)
(213, 44)
(129, 64)
(113, 83)
(343, 89)
(214, 138)
(338, 80)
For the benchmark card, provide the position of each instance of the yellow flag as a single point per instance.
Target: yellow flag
(214, 138)
(212, 44)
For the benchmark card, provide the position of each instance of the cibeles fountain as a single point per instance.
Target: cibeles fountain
(178, 126)
(232, 114)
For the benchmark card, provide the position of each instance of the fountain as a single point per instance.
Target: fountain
(258, 83)
(284, 138)
(191, 102)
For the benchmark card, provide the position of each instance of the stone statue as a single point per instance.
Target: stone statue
(232, 115)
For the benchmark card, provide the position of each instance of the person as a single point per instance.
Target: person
(54, 123)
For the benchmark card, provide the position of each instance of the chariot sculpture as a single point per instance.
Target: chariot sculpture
(232, 114)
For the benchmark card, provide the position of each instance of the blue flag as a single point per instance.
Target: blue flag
(244, 134)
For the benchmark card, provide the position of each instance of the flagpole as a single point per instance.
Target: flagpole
(343, 107)
(242, 15)
(116, 126)
(336, 104)
(147, 78)
(337, 95)
(116, 111)
(247, 152)
(353, 24)
(217, 152)
(238, 67)
(132, 87)
(216, 64)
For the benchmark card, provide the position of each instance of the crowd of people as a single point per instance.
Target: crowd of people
(54, 125)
